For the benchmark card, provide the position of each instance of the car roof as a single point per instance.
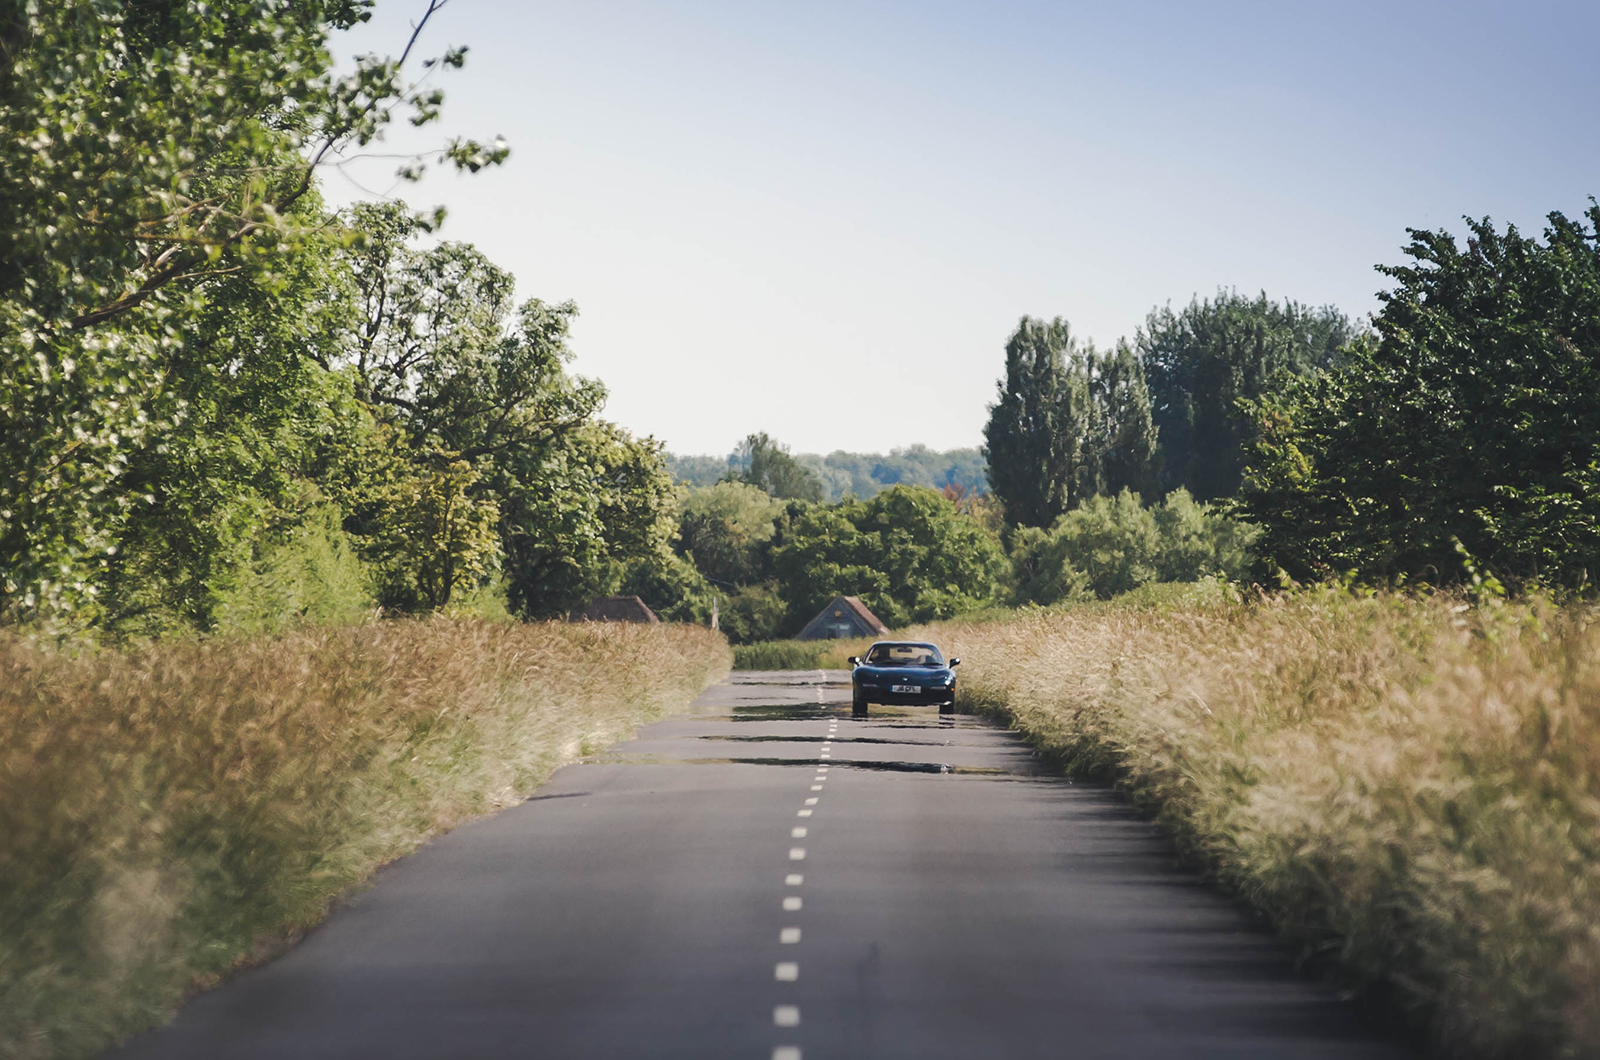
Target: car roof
(903, 644)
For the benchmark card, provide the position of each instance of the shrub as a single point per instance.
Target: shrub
(1112, 545)
(753, 613)
(309, 572)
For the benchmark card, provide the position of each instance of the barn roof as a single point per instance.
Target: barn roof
(614, 609)
(845, 616)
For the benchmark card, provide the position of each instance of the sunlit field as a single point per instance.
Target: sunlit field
(171, 812)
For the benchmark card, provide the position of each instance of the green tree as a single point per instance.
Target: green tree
(436, 536)
(671, 587)
(1070, 423)
(1123, 438)
(1042, 569)
(229, 461)
(725, 530)
(753, 613)
(1114, 540)
(906, 552)
(1203, 360)
(1034, 440)
(577, 513)
(146, 152)
(1471, 424)
(439, 355)
(1201, 540)
(766, 463)
(437, 349)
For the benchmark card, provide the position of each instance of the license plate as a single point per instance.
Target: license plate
(905, 688)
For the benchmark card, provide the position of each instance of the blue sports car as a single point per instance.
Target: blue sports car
(911, 672)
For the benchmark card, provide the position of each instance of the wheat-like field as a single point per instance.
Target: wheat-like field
(1409, 787)
(168, 812)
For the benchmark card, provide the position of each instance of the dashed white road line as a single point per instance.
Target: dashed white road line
(789, 971)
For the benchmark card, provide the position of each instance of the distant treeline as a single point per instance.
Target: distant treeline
(764, 549)
(860, 475)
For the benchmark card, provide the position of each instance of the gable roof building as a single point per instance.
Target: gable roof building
(845, 616)
(614, 609)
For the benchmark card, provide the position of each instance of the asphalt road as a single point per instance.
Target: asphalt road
(769, 878)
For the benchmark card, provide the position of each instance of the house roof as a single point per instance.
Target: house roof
(844, 616)
(614, 609)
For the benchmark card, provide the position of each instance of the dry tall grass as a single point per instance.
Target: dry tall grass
(166, 812)
(1409, 786)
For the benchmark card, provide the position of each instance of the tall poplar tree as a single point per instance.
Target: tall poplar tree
(1069, 423)
(1125, 439)
(1034, 438)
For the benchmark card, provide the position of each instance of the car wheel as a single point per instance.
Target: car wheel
(858, 704)
(947, 707)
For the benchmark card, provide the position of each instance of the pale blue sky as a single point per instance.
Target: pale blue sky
(822, 220)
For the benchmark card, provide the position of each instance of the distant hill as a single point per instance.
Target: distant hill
(863, 474)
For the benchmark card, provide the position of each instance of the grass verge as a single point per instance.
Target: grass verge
(171, 812)
(797, 654)
(1410, 787)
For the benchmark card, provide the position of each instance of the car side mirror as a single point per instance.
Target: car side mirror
(955, 662)
(855, 660)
